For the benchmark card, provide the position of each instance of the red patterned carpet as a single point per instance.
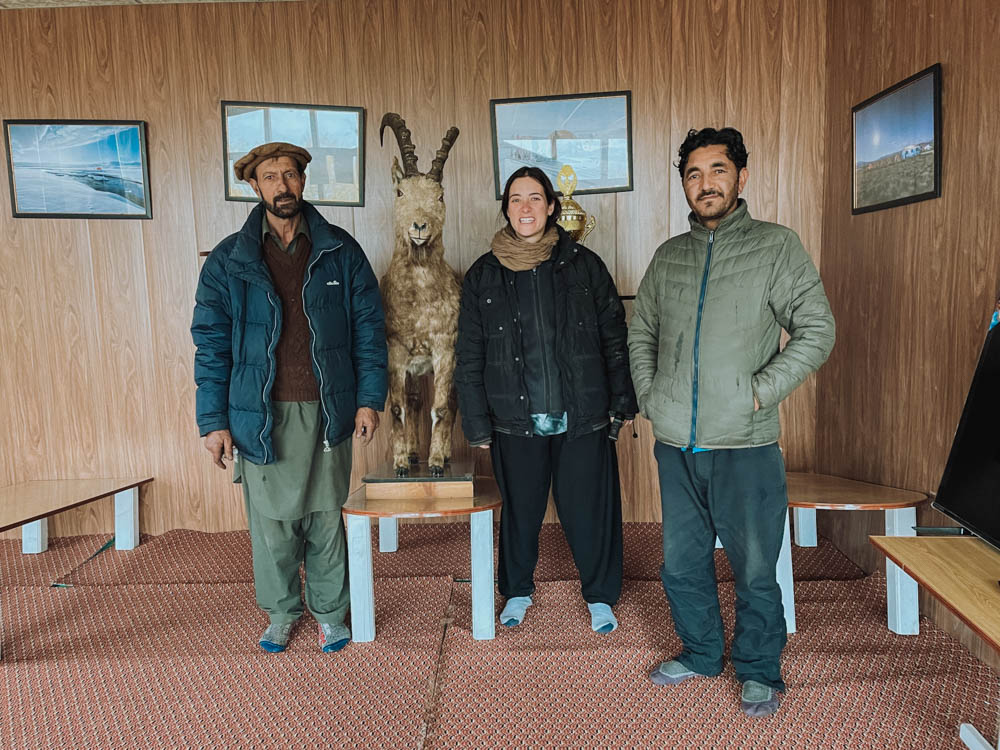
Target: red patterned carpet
(156, 648)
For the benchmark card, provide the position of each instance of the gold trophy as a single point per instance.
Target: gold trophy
(573, 218)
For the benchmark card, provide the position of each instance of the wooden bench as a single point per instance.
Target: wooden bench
(962, 573)
(808, 493)
(390, 501)
(29, 504)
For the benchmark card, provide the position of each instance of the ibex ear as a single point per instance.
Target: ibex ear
(396, 171)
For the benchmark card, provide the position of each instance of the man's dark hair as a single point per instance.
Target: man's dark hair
(550, 194)
(731, 138)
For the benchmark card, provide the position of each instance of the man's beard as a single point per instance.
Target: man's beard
(724, 204)
(284, 209)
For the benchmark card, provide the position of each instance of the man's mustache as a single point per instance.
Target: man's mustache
(709, 193)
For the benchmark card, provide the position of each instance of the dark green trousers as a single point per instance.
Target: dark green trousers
(738, 495)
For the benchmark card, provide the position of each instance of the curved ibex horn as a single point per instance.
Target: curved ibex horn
(406, 148)
(442, 154)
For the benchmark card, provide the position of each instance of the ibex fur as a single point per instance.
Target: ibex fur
(420, 293)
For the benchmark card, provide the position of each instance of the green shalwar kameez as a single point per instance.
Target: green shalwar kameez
(293, 510)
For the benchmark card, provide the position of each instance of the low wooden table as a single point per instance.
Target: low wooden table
(963, 573)
(29, 504)
(808, 493)
(420, 499)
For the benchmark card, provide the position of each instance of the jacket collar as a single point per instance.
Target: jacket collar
(247, 257)
(736, 222)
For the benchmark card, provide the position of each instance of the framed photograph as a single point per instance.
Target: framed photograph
(78, 169)
(590, 132)
(335, 136)
(897, 144)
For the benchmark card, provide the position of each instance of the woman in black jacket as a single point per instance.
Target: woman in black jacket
(541, 367)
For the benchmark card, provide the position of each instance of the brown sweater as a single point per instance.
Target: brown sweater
(295, 380)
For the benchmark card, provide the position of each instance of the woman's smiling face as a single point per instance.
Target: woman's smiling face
(527, 209)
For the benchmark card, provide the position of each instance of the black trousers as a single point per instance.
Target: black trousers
(583, 473)
(739, 495)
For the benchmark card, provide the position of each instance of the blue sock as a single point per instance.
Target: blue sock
(513, 611)
(602, 619)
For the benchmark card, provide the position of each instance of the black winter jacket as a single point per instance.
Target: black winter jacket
(591, 346)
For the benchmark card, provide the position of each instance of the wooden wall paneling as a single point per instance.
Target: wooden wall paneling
(755, 75)
(63, 289)
(800, 157)
(843, 411)
(220, 65)
(698, 42)
(178, 459)
(642, 215)
(368, 30)
(589, 64)
(24, 438)
(317, 42)
(436, 63)
(479, 45)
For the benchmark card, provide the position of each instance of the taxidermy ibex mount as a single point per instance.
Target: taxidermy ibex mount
(420, 293)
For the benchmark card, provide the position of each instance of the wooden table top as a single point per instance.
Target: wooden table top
(825, 492)
(962, 572)
(487, 497)
(29, 501)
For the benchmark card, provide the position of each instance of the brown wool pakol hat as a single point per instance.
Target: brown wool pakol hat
(245, 166)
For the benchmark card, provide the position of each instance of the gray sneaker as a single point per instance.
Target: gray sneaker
(275, 638)
(672, 673)
(333, 637)
(757, 699)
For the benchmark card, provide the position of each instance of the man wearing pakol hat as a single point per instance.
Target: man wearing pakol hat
(290, 361)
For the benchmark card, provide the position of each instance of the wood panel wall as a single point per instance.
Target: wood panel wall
(912, 287)
(94, 315)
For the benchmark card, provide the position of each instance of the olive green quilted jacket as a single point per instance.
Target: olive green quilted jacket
(705, 331)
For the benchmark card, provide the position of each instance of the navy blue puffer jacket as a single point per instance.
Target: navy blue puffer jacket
(237, 322)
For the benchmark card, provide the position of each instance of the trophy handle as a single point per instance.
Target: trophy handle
(588, 227)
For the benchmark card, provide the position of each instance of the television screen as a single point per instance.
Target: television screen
(970, 487)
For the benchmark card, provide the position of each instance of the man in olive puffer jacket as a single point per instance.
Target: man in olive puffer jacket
(709, 375)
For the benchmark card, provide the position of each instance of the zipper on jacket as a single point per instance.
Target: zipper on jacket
(697, 340)
(312, 352)
(541, 335)
(270, 373)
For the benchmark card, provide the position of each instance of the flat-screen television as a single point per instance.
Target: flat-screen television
(970, 486)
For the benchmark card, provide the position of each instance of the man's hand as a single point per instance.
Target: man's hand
(365, 424)
(756, 404)
(220, 444)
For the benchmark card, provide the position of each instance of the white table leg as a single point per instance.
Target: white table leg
(359, 561)
(901, 590)
(388, 535)
(481, 546)
(785, 578)
(972, 739)
(127, 519)
(805, 526)
(35, 537)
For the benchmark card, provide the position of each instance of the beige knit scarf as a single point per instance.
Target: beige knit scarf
(518, 255)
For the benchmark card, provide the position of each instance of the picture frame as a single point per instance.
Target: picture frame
(897, 144)
(334, 135)
(590, 132)
(78, 169)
